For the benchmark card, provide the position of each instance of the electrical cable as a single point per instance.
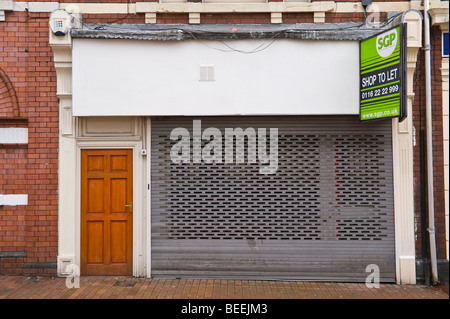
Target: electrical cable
(195, 33)
(259, 48)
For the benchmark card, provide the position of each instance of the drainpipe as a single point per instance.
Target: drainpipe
(429, 128)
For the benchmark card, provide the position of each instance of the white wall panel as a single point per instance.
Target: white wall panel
(13, 199)
(132, 77)
(13, 135)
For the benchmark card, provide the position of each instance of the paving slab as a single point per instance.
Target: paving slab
(122, 287)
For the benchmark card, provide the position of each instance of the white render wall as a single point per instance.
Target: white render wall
(13, 199)
(13, 135)
(132, 77)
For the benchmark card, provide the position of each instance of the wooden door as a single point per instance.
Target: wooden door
(106, 212)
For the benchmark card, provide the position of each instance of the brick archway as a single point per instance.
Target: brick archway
(9, 105)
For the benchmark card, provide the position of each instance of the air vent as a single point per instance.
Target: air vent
(206, 73)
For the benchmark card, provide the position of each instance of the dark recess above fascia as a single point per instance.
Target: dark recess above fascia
(159, 32)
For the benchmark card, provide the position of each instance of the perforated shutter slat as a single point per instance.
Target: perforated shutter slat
(326, 214)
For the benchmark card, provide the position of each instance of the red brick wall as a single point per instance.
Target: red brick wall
(172, 18)
(235, 18)
(419, 122)
(27, 60)
(114, 18)
(9, 106)
(301, 17)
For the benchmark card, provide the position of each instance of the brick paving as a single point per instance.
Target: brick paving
(112, 287)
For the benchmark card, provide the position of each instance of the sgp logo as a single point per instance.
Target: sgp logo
(386, 43)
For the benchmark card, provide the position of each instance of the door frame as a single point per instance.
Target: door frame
(138, 212)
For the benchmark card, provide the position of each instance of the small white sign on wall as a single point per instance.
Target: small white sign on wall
(13, 135)
(13, 199)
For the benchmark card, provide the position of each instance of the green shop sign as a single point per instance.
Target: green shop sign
(382, 75)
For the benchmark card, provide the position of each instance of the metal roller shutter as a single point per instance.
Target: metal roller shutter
(326, 214)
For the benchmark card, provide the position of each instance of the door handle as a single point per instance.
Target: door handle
(130, 206)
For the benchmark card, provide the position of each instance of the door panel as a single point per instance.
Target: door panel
(106, 215)
(95, 234)
(119, 200)
(118, 163)
(118, 241)
(95, 192)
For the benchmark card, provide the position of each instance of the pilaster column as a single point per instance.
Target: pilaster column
(403, 164)
(67, 221)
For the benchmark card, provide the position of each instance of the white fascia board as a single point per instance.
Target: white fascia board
(150, 78)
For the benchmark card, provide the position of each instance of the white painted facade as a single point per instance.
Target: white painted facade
(77, 132)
